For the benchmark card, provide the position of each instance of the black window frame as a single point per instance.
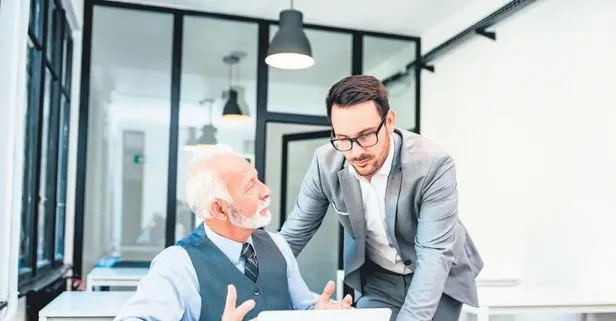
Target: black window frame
(49, 55)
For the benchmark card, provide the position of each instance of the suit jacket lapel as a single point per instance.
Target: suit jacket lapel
(354, 202)
(392, 192)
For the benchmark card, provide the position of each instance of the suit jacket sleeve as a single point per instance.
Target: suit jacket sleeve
(438, 217)
(310, 208)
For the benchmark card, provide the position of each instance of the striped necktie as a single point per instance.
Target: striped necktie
(251, 266)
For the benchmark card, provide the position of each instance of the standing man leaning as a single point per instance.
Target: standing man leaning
(395, 194)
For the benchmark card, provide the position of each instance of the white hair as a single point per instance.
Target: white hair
(203, 185)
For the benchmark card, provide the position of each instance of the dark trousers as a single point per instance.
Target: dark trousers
(382, 288)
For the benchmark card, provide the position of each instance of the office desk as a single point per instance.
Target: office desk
(521, 299)
(83, 305)
(114, 277)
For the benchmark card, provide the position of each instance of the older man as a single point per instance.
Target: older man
(227, 255)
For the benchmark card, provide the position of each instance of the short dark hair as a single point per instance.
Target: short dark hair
(357, 89)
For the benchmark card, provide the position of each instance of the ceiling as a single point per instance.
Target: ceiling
(408, 17)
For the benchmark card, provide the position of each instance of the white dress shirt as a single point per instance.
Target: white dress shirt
(378, 247)
(170, 290)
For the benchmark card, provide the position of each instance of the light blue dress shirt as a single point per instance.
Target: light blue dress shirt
(170, 290)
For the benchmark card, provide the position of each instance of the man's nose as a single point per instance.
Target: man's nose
(356, 151)
(266, 192)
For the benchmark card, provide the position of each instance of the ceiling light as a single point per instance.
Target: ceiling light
(290, 48)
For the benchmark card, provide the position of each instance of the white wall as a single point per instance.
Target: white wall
(528, 119)
(13, 28)
(468, 15)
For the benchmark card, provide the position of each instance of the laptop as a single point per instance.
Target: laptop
(380, 314)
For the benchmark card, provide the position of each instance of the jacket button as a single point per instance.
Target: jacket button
(256, 292)
(407, 262)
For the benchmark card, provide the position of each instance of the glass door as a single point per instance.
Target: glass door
(321, 260)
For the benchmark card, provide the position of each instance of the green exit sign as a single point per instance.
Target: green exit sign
(139, 159)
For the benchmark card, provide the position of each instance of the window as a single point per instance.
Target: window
(48, 70)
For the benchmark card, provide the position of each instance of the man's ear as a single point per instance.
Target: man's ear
(219, 209)
(391, 120)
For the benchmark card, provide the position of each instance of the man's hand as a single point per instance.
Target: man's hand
(232, 313)
(324, 302)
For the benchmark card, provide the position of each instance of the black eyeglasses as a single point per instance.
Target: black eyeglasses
(364, 140)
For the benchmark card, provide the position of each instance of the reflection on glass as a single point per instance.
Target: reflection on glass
(209, 69)
(385, 57)
(68, 58)
(61, 179)
(128, 136)
(24, 262)
(35, 18)
(304, 91)
(318, 261)
(42, 252)
(50, 33)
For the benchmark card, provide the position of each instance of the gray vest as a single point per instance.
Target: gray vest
(215, 271)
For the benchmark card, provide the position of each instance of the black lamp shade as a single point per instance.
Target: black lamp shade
(207, 138)
(232, 109)
(290, 48)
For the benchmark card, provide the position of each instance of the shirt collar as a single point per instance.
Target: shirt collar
(386, 168)
(231, 248)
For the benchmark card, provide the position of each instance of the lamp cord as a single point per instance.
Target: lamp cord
(291, 4)
(210, 117)
(230, 74)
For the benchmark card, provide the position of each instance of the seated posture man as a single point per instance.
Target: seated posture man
(226, 255)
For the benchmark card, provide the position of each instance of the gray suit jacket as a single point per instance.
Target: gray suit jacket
(421, 218)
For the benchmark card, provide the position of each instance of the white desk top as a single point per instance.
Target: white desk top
(86, 304)
(525, 295)
(498, 282)
(521, 297)
(100, 273)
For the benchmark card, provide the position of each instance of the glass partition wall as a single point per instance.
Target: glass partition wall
(128, 136)
(158, 81)
(217, 55)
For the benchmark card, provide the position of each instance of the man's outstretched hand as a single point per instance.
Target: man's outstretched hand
(324, 302)
(232, 313)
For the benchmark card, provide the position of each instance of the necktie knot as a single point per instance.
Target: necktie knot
(251, 266)
(247, 250)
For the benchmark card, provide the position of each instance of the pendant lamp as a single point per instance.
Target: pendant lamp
(232, 110)
(208, 132)
(290, 48)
